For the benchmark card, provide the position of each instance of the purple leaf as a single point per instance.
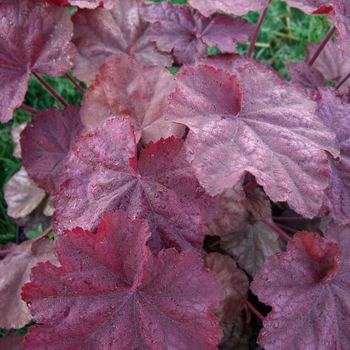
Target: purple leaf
(305, 76)
(122, 29)
(336, 115)
(309, 282)
(103, 174)
(311, 6)
(185, 33)
(250, 119)
(237, 7)
(123, 295)
(45, 143)
(34, 37)
(331, 63)
(125, 87)
(340, 18)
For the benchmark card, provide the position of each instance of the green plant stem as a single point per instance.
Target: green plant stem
(322, 45)
(254, 310)
(276, 229)
(256, 32)
(50, 89)
(75, 83)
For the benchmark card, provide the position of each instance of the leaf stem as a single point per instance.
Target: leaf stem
(5, 252)
(28, 109)
(288, 218)
(50, 89)
(255, 311)
(75, 83)
(257, 29)
(342, 82)
(286, 228)
(322, 45)
(276, 229)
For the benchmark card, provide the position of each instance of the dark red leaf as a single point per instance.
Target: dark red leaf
(111, 286)
(122, 29)
(311, 6)
(250, 119)
(125, 87)
(45, 143)
(184, 32)
(34, 37)
(14, 273)
(309, 283)
(103, 174)
(237, 7)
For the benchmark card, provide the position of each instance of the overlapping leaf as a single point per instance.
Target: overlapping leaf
(336, 114)
(231, 211)
(331, 63)
(34, 37)
(253, 241)
(14, 273)
(22, 195)
(235, 283)
(309, 282)
(123, 87)
(340, 17)
(45, 143)
(311, 6)
(123, 296)
(237, 7)
(103, 174)
(122, 29)
(305, 76)
(89, 4)
(185, 33)
(247, 118)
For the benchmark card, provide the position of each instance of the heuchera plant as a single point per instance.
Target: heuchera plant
(164, 185)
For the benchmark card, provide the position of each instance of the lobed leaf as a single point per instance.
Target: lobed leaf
(35, 37)
(125, 87)
(14, 273)
(242, 117)
(309, 282)
(120, 295)
(121, 29)
(22, 195)
(331, 63)
(46, 142)
(235, 283)
(104, 174)
(185, 33)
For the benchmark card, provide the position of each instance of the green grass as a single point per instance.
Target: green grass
(283, 37)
